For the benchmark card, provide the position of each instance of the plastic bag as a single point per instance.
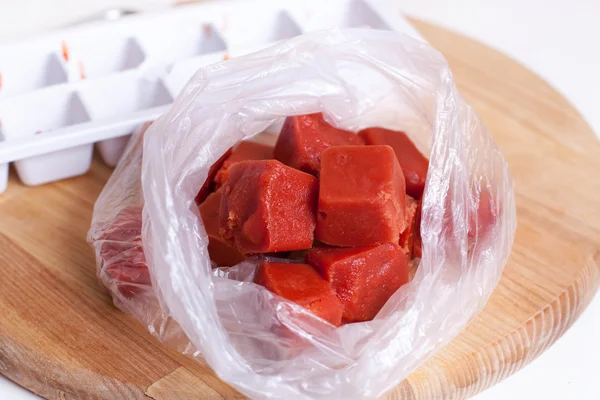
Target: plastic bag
(259, 343)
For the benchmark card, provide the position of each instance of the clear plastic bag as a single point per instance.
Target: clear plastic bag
(259, 343)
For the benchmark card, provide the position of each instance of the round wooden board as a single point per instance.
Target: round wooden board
(61, 337)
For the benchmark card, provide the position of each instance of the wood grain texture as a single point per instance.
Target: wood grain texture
(61, 337)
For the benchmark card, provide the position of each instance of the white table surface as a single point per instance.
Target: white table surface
(558, 39)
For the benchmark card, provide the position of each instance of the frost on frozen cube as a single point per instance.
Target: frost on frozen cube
(268, 207)
(303, 138)
(364, 278)
(361, 196)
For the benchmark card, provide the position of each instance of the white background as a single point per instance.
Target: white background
(558, 39)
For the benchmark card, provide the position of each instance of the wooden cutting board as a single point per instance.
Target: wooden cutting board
(61, 337)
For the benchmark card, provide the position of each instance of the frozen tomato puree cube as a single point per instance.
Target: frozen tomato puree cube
(483, 221)
(268, 207)
(304, 286)
(242, 152)
(414, 164)
(361, 196)
(221, 252)
(364, 278)
(122, 254)
(208, 185)
(303, 138)
(408, 234)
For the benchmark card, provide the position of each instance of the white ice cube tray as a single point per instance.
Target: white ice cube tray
(62, 93)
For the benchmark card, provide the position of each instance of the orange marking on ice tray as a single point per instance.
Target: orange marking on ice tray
(65, 51)
(207, 30)
(225, 57)
(82, 70)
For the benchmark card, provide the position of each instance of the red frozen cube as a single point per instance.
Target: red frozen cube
(242, 152)
(483, 221)
(122, 254)
(221, 252)
(364, 278)
(414, 164)
(268, 207)
(304, 286)
(361, 196)
(303, 138)
(408, 234)
(208, 185)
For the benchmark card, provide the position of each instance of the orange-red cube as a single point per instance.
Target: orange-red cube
(268, 207)
(208, 185)
(414, 164)
(303, 138)
(361, 196)
(243, 151)
(364, 278)
(303, 285)
(221, 252)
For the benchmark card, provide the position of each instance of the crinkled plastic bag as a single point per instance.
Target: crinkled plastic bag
(262, 345)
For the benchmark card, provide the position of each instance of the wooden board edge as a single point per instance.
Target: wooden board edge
(507, 355)
(30, 371)
(182, 384)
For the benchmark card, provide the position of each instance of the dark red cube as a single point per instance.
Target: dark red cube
(268, 207)
(361, 196)
(221, 252)
(364, 278)
(414, 164)
(242, 152)
(208, 185)
(303, 285)
(303, 138)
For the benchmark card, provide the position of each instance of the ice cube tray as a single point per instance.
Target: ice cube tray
(62, 93)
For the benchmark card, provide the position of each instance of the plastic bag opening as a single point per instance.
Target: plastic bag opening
(263, 345)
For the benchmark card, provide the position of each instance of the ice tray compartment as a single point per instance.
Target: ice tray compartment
(112, 98)
(55, 166)
(100, 55)
(183, 71)
(24, 69)
(42, 113)
(177, 43)
(111, 150)
(99, 82)
(348, 14)
(122, 95)
(244, 34)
